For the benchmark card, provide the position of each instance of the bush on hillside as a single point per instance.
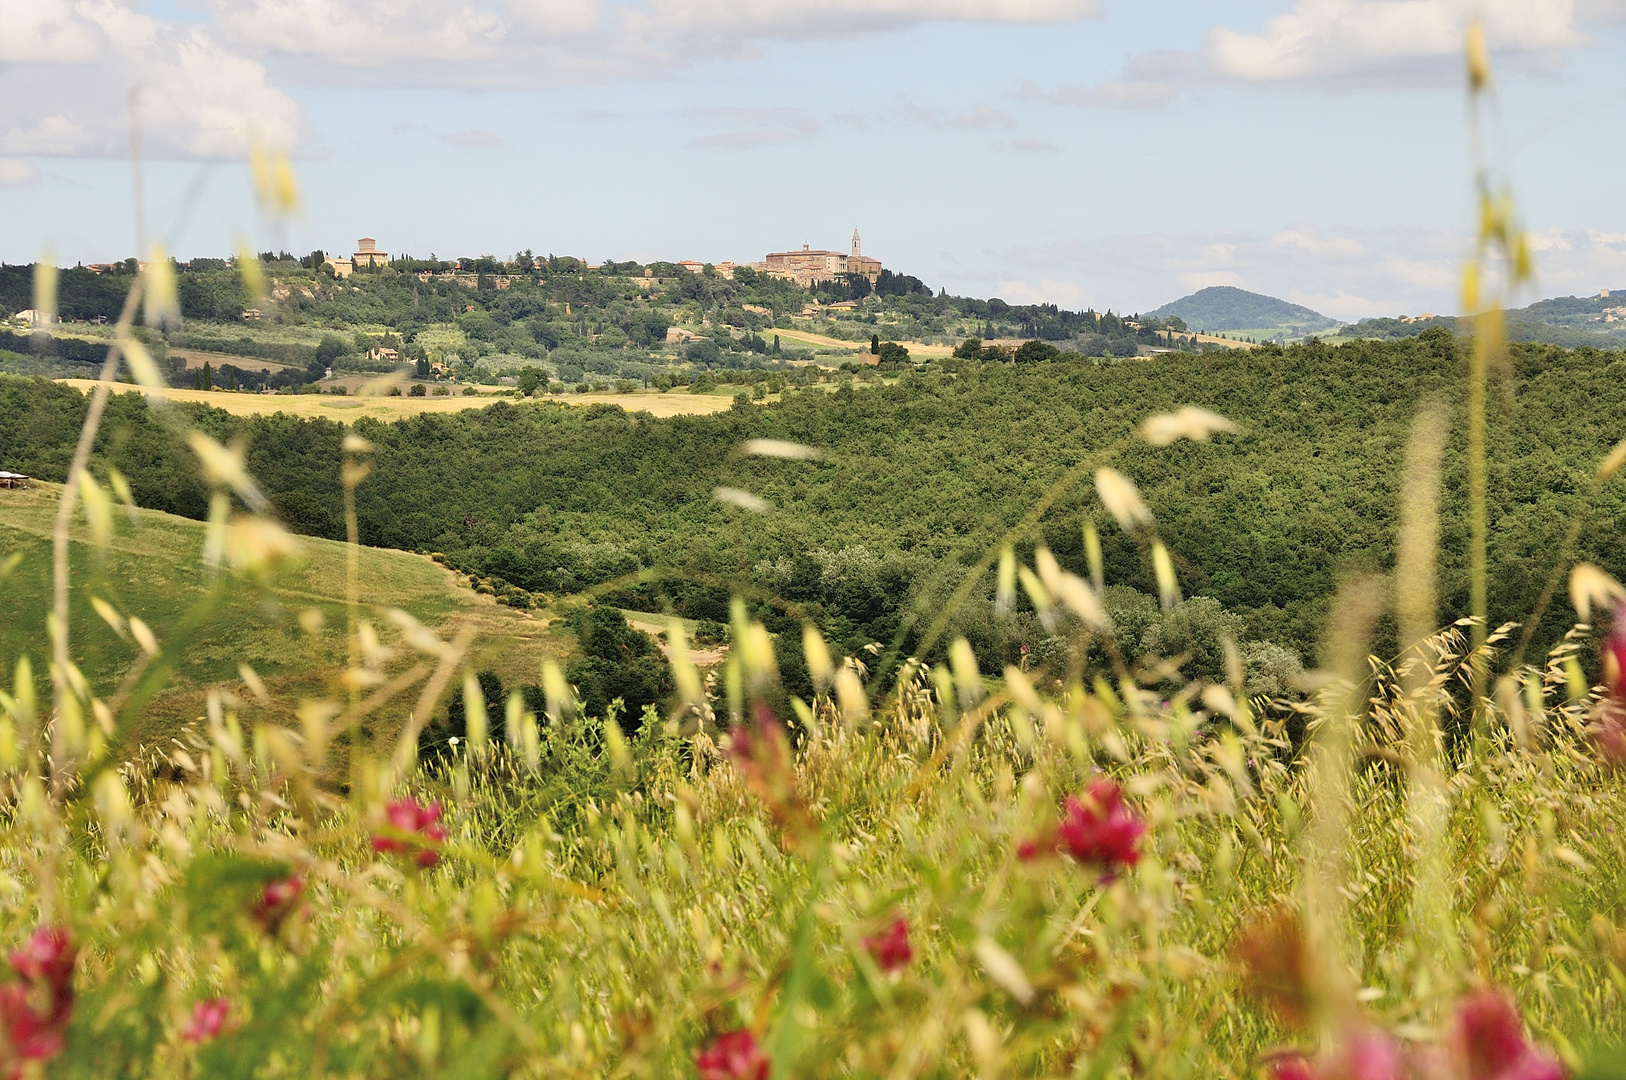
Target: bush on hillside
(618, 663)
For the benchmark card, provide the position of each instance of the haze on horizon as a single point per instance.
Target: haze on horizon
(1081, 152)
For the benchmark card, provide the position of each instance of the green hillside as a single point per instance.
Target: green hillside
(153, 571)
(1570, 321)
(919, 477)
(1227, 308)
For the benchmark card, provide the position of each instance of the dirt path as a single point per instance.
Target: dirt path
(656, 628)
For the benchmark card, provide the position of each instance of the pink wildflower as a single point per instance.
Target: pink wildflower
(1369, 1055)
(1100, 829)
(1609, 732)
(734, 1055)
(36, 1010)
(1291, 1067)
(208, 1017)
(1488, 1041)
(891, 949)
(47, 958)
(412, 817)
(277, 902)
(1363, 1054)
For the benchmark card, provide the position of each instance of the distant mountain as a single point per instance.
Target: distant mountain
(1570, 321)
(1223, 307)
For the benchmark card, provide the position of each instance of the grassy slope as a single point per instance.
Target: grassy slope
(153, 570)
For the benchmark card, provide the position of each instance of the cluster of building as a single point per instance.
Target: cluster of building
(366, 254)
(807, 267)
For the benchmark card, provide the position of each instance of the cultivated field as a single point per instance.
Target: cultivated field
(347, 409)
(196, 358)
(916, 348)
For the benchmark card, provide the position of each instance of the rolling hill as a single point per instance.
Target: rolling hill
(1224, 307)
(153, 570)
(1570, 321)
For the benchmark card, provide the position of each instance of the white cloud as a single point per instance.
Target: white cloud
(48, 32)
(1381, 41)
(721, 21)
(67, 66)
(749, 128)
(16, 172)
(1347, 44)
(530, 43)
(69, 69)
(978, 116)
(1600, 12)
(1147, 81)
(473, 138)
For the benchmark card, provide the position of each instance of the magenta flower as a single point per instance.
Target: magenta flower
(1100, 830)
(1370, 1055)
(1363, 1054)
(47, 958)
(277, 901)
(1291, 1067)
(891, 949)
(1609, 732)
(35, 1011)
(208, 1017)
(1487, 1038)
(734, 1055)
(421, 823)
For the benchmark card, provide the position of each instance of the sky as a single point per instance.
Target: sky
(1114, 154)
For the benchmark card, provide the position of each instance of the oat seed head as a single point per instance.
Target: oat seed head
(1478, 56)
(1591, 586)
(160, 304)
(45, 286)
(779, 448)
(1186, 422)
(1612, 462)
(743, 499)
(275, 184)
(1122, 500)
(142, 368)
(224, 466)
(249, 269)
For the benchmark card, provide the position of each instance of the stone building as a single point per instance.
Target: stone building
(809, 267)
(367, 253)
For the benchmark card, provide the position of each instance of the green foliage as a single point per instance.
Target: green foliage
(555, 500)
(618, 663)
(892, 354)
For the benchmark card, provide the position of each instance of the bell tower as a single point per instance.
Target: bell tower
(858, 248)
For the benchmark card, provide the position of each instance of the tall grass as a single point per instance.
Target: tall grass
(1417, 869)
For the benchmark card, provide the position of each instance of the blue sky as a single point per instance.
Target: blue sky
(1084, 152)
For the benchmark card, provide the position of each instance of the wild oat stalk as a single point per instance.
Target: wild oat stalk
(1499, 241)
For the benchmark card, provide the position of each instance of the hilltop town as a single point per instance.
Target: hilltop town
(806, 267)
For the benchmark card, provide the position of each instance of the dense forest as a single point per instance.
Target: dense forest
(918, 478)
